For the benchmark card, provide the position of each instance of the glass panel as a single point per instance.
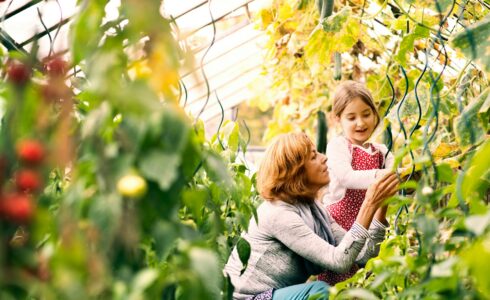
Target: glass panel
(239, 84)
(23, 25)
(26, 24)
(60, 43)
(177, 7)
(11, 5)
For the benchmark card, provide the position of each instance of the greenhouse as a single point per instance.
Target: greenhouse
(244, 149)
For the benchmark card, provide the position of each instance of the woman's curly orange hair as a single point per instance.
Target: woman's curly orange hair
(282, 174)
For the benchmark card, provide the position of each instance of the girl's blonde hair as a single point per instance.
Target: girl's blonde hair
(282, 174)
(348, 91)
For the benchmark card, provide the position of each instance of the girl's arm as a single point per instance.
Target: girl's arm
(339, 165)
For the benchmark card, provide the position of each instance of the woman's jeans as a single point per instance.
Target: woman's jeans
(302, 291)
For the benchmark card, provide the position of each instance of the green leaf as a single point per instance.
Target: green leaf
(399, 23)
(475, 258)
(244, 250)
(200, 131)
(318, 49)
(135, 98)
(335, 22)
(193, 157)
(228, 288)
(316, 296)
(380, 279)
(468, 129)
(303, 4)
(244, 184)
(195, 200)
(85, 32)
(474, 184)
(141, 281)
(486, 105)
(444, 268)
(173, 130)
(234, 138)
(95, 120)
(164, 235)
(217, 169)
(441, 6)
(427, 226)
(445, 173)
(407, 43)
(358, 293)
(421, 32)
(105, 212)
(160, 167)
(474, 42)
(206, 265)
(478, 223)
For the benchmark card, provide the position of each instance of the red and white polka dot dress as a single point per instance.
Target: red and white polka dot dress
(345, 211)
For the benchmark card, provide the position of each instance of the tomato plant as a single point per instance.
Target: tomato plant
(107, 188)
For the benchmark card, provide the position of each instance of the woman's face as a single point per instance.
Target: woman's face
(316, 169)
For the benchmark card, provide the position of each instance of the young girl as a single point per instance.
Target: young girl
(353, 163)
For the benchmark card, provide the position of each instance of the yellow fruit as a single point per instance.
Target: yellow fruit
(132, 185)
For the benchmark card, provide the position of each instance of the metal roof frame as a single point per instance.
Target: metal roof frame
(195, 90)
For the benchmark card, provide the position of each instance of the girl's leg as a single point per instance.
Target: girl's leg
(302, 291)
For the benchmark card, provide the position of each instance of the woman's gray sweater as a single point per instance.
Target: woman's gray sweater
(283, 239)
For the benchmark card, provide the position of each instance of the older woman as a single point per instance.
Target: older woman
(294, 236)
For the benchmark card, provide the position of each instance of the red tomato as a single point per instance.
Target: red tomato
(17, 208)
(56, 67)
(27, 180)
(18, 73)
(30, 151)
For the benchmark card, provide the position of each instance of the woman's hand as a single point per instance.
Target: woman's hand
(382, 189)
(376, 194)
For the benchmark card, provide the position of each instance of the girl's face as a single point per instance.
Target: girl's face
(316, 169)
(358, 121)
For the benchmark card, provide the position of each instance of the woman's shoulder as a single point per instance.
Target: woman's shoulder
(269, 213)
(276, 206)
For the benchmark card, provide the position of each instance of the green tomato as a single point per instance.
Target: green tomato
(132, 185)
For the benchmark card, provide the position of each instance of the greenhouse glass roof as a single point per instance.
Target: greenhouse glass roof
(226, 49)
(219, 33)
